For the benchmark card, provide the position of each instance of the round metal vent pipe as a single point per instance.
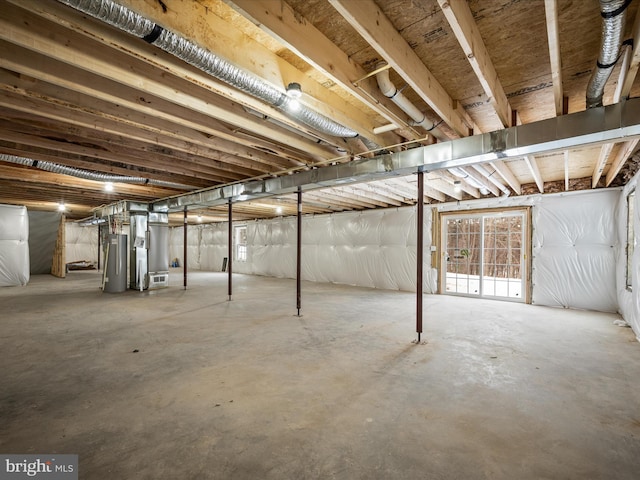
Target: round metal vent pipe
(390, 91)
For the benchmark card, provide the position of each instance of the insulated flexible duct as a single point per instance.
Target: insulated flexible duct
(133, 23)
(88, 175)
(613, 20)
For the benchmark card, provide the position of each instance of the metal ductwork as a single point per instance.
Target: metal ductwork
(613, 20)
(613, 123)
(390, 91)
(88, 175)
(135, 24)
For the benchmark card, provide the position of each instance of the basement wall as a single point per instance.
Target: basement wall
(574, 245)
(574, 242)
(43, 233)
(628, 296)
(354, 248)
(14, 246)
(81, 243)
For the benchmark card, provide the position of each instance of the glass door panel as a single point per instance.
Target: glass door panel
(484, 255)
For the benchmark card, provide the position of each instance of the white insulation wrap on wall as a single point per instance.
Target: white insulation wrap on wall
(629, 297)
(213, 246)
(574, 250)
(176, 246)
(375, 248)
(81, 243)
(14, 246)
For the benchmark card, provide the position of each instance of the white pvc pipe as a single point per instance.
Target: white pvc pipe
(385, 128)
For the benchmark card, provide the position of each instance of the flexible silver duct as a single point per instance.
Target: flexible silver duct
(613, 20)
(89, 175)
(133, 23)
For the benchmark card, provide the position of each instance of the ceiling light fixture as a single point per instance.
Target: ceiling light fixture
(279, 210)
(456, 186)
(61, 207)
(108, 187)
(199, 218)
(294, 92)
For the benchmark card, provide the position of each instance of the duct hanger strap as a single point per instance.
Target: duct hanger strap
(617, 11)
(607, 65)
(154, 34)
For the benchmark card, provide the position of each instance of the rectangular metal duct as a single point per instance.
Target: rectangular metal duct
(612, 123)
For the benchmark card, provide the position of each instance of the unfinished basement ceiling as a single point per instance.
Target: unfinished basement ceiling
(80, 93)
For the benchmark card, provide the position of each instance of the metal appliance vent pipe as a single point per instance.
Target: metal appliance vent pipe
(390, 91)
(135, 24)
(613, 20)
(87, 174)
(460, 173)
(481, 169)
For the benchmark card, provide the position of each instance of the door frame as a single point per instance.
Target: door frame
(527, 243)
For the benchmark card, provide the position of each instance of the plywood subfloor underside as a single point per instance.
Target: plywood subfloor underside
(245, 389)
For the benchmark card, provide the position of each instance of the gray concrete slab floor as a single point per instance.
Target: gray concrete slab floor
(247, 390)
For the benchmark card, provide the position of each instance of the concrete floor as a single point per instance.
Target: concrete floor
(247, 390)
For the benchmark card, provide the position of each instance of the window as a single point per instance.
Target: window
(631, 238)
(240, 242)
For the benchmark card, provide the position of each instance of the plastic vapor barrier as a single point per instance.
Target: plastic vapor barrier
(574, 250)
(375, 248)
(14, 246)
(628, 296)
(213, 247)
(81, 243)
(176, 246)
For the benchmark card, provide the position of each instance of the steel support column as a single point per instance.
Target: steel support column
(230, 254)
(420, 252)
(99, 245)
(299, 254)
(184, 262)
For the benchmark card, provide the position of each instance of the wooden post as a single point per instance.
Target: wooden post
(59, 265)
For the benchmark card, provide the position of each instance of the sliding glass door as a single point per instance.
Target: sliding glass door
(484, 254)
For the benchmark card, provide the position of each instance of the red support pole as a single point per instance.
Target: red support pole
(99, 246)
(184, 262)
(420, 251)
(299, 254)
(229, 272)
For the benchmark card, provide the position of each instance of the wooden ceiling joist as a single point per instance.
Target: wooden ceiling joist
(626, 150)
(278, 19)
(535, 171)
(372, 24)
(216, 35)
(505, 172)
(461, 21)
(634, 61)
(87, 55)
(57, 104)
(553, 38)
